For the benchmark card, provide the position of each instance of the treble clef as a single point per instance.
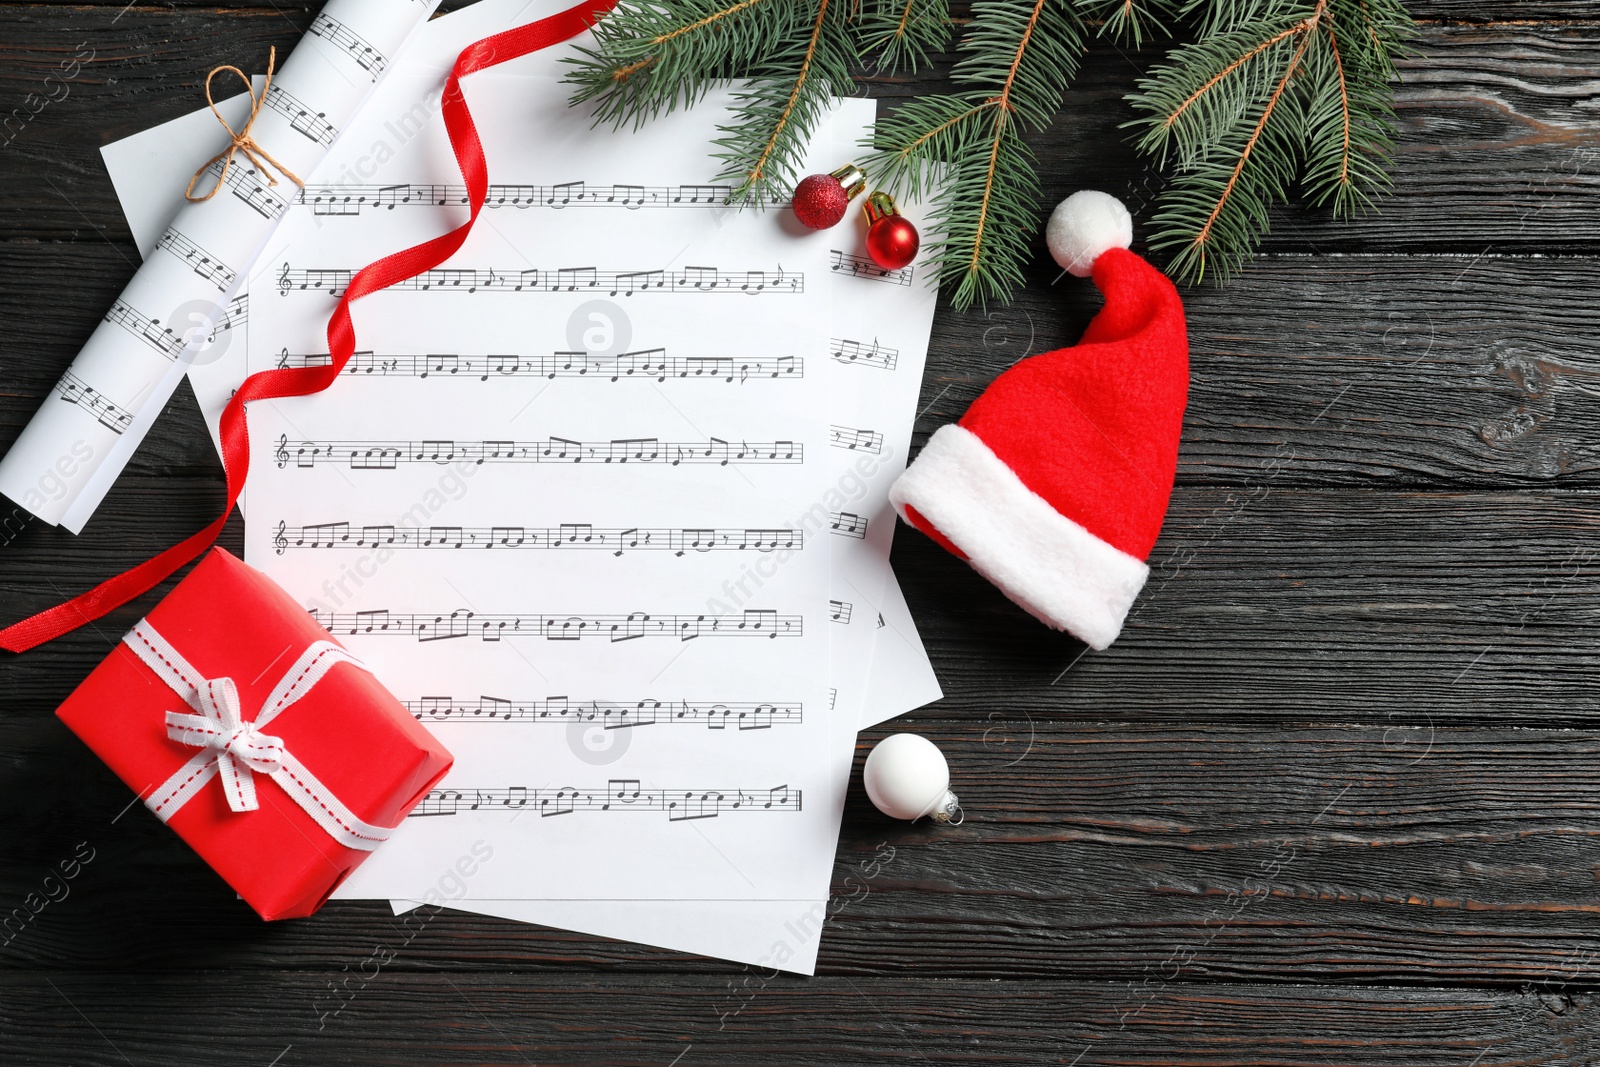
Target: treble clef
(282, 453)
(283, 359)
(279, 540)
(283, 281)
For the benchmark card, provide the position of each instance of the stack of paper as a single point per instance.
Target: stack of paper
(603, 500)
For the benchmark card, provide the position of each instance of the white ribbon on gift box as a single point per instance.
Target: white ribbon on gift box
(238, 750)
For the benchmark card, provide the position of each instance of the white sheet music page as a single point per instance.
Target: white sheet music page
(531, 506)
(770, 938)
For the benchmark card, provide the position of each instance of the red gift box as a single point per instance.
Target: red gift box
(274, 753)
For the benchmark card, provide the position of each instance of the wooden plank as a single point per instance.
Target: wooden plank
(1346, 370)
(1302, 604)
(99, 1021)
(1280, 605)
(1499, 149)
(1395, 851)
(1400, 372)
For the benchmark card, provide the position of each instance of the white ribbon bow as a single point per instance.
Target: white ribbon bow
(219, 726)
(238, 750)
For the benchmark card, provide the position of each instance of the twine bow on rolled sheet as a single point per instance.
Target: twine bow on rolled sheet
(241, 140)
(283, 382)
(181, 298)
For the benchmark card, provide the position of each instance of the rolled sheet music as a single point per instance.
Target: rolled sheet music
(181, 299)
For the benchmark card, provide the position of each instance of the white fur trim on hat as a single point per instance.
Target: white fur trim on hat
(1058, 571)
(1084, 225)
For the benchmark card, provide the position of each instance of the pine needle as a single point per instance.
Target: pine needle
(1017, 60)
(1272, 93)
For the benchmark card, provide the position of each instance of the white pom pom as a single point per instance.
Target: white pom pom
(1084, 225)
(907, 777)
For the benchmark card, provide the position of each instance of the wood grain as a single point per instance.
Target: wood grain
(1394, 851)
(1403, 372)
(1329, 800)
(513, 1019)
(1288, 604)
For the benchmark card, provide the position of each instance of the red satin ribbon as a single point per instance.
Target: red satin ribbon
(501, 48)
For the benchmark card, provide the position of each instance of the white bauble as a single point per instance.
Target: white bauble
(1084, 225)
(907, 777)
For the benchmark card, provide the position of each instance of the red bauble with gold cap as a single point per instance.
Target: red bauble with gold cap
(892, 241)
(821, 200)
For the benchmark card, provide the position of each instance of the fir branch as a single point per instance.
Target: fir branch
(1238, 171)
(1351, 131)
(903, 33)
(1273, 91)
(789, 94)
(1267, 95)
(1016, 62)
(1129, 20)
(754, 175)
(652, 56)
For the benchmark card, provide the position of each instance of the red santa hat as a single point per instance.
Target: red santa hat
(1055, 482)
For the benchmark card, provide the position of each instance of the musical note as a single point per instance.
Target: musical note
(847, 525)
(197, 259)
(861, 267)
(873, 355)
(368, 621)
(703, 194)
(772, 540)
(855, 440)
(652, 364)
(374, 458)
(249, 186)
(563, 194)
(442, 364)
(443, 537)
(322, 535)
(237, 313)
(839, 611)
(562, 280)
(493, 627)
(619, 794)
(312, 125)
(695, 804)
(437, 802)
(631, 628)
(429, 628)
(630, 282)
(74, 390)
(338, 200)
(562, 802)
(611, 715)
(167, 340)
(149, 330)
(367, 57)
(387, 455)
(762, 623)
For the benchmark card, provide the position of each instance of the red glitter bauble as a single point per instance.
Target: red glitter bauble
(820, 201)
(892, 242)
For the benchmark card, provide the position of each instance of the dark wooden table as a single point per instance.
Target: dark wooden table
(1331, 799)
